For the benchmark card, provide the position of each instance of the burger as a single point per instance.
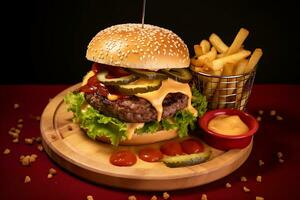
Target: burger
(138, 90)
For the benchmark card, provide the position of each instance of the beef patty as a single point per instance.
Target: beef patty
(136, 109)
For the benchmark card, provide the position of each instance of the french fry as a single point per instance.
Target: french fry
(205, 46)
(255, 57)
(221, 91)
(244, 100)
(208, 57)
(212, 84)
(238, 41)
(216, 63)
(220, 55)
(198, 50)
(234, 58)
(217, 42)
(246, 67)
(240, 69)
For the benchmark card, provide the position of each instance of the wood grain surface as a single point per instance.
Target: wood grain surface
(68, 145)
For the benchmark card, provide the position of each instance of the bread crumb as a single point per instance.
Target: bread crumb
(16, 105)
(204, 197)
(6, 151)
(28, 141)
(228, 185)
(14, 133)
(272, 112)
(38, 139)
(21, 157)
(279, 154)
(132, 197)
(16, 140)
(280, 160)
(153, 197)
(52, 171)
(258, 178)
(33, 158)
(49, 176)
(20, 126)
(40, 147)
(27, 179)
(260, 112)
(26, 161)
(279, 118)
(259, 198)
(89, 197)
(38, 118)
(243, 179)
(166, 195)
(259, 118)
(246, 189)
(261, 163)
(20, 120)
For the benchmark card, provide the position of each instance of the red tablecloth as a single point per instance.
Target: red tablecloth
(279, 180)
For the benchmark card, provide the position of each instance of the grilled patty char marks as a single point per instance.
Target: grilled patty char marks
(135, 109)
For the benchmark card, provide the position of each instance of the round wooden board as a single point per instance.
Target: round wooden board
(74, 151)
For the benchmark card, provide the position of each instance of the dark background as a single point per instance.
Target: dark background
(45, 41)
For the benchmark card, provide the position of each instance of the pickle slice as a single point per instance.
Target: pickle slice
(139, 86)
(148, 74)
(187, 160)
(181, 75)
(101, 76)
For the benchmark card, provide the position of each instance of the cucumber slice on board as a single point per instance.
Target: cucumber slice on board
(187, 160)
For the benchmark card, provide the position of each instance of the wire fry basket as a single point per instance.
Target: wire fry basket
(225, 91)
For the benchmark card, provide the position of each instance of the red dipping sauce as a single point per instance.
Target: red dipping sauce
(94, 85)
(190, 146)
(150, 154)
(171, 148)
(123, 158)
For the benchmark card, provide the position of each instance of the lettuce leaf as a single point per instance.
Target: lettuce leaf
(182, 120)
(199, 101)
(149, 127)
(94, 123)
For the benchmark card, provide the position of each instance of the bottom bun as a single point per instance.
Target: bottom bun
(146, 138)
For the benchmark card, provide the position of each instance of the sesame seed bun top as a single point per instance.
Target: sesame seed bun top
(131, 46)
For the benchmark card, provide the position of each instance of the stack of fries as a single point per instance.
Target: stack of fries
(224, 73)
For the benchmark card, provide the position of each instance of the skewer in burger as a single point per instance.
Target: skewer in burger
(138, 90)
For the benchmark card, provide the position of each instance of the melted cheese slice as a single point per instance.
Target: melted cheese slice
(131, 128)
(168, 86)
